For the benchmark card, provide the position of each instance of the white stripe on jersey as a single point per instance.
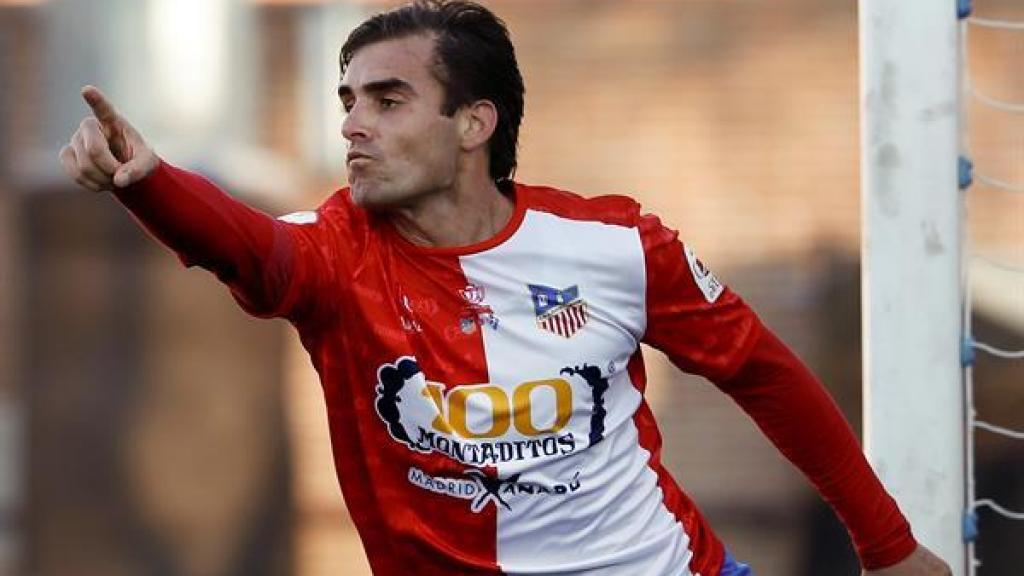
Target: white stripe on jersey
(616, 518)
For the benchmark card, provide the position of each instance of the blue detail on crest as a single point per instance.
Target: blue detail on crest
(546, 298)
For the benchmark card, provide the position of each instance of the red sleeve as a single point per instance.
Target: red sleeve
(272, 268)
(702, 326)
(706, 329)
(796, 413)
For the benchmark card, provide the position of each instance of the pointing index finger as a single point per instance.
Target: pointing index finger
(101, 107)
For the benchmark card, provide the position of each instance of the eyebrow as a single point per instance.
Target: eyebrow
(378, 86)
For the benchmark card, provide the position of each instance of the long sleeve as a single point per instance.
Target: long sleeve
(796, 413)
(706, 329)
(270, 266)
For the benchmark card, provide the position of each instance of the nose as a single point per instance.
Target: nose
(354, 127)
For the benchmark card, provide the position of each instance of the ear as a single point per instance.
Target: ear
(476, 124)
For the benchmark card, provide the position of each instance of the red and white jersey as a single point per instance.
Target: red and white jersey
(493, 394)
(486, 403)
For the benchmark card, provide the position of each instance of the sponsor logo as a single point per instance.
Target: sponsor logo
(486, 424)
(481, 489)
(705, 279)
(598, 385)
(561, 312)
(494, 452)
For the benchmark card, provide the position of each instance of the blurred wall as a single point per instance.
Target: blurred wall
(149, 427)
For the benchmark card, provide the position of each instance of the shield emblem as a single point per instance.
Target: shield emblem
(561, 312)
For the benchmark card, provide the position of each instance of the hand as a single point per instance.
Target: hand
(921, 562)
(106, 151)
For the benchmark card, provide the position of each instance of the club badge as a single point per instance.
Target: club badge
(561, 312)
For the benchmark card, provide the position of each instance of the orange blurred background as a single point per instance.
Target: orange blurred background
(147, 426)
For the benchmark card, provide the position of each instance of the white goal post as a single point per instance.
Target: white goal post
(911, 279)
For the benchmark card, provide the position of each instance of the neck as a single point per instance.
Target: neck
(470, 211)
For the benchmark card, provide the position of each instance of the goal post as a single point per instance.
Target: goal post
(911, 275)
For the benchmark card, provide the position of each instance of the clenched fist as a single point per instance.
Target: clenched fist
(106, 151)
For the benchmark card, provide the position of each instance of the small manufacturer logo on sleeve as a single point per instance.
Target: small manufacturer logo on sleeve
(705, 279)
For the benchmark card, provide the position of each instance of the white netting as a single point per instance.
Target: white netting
(994, 98)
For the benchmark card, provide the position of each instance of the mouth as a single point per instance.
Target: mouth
(357, 158)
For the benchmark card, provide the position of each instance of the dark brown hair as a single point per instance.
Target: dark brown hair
(475, 61)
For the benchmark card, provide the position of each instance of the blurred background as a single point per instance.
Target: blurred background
(149, 427)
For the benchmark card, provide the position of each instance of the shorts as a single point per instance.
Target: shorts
(730, 567)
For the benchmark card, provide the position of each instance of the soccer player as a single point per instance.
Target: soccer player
(477, 338)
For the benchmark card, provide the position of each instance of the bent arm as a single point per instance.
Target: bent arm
(797, 414)
(706, 329)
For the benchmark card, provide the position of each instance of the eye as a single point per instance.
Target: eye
(346, 105)
(387, 103)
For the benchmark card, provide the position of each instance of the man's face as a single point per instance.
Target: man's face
(401, 147)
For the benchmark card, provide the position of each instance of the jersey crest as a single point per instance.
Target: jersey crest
(561, 312)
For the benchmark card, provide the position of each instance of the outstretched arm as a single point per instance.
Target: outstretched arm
(248, 250)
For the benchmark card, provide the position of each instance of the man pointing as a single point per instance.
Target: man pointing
(478, 339)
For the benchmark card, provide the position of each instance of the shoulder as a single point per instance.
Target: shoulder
(337, 212)
(615, 209)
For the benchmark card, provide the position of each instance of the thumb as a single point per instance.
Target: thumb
(121, 136)
(129, 173)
